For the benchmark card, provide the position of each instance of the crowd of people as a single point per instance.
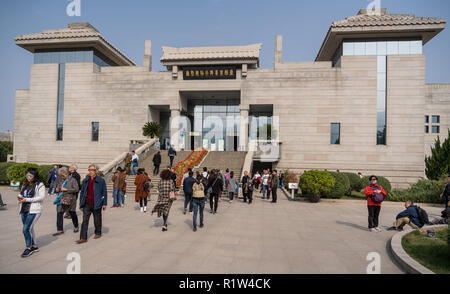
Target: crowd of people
(199, 187)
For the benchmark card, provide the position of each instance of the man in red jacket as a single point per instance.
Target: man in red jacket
(375, 195)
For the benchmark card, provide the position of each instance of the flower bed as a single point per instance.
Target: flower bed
(193, 159)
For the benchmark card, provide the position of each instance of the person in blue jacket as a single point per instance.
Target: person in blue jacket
(408, 216)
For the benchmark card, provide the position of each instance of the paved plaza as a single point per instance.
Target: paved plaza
(286, 237)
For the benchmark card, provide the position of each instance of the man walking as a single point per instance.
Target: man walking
(274, 186)
(93, 198)
(188, 183)
(52, 174)
(156, 162)
(172, 153)
(135, 162)
(265, 184)
(119, 183)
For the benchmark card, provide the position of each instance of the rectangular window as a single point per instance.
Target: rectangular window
(60, 102)
(381, 100)
(427, 129)
(427, 119)
(435, 129)
(436, 119)
(95, 129)
(335, 134)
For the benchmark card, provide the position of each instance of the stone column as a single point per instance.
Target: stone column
(175, 128)
(243, 129)
(147, 62)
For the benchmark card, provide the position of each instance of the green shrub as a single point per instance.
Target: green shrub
(315, 183)
(355, 182)
(5, 149)
(438, 163)
(17, 171)
(424, 191)
(341, 186)
(382, 181)
(3, 167)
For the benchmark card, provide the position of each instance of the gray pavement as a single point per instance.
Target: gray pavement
(286, 237)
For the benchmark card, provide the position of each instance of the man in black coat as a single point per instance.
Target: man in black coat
(156, 162)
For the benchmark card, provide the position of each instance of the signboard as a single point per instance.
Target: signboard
(293, 186)
(209, 73)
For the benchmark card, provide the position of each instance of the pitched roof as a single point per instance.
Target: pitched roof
(367, 25)
(76, 35)
(247, 52)
(366, 20)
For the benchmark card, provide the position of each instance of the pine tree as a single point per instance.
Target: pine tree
(439, 162)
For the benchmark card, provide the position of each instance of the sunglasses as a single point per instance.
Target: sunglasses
(29, 176)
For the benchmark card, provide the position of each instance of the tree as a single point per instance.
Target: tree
(439, 162)
(152, 129)
(5, 149)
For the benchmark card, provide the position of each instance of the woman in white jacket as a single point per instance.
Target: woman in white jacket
(31, 198)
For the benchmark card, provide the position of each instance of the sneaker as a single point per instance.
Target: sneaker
(372, 230)
(27, 252)
(201, 225)
(231, 201)
(34, 249)
(195, 229)
(76, 230)
(378, 229)
(191, 212)
(392, 229)
(184, 211)
(142, 209)
(145, 208)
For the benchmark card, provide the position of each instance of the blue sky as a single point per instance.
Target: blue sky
(126, 24)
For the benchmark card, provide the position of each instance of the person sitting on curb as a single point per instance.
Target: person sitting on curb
(409, 216)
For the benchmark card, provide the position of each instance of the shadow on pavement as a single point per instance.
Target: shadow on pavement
(351, 225)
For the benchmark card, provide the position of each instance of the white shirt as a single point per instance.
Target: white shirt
(265, 179)
(135, 157)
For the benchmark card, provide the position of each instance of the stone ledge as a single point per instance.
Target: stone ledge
(407, 263)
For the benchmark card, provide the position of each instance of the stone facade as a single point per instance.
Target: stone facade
(307, 97)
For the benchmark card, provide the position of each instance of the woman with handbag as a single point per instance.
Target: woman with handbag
(31, 197)
(66, 201)
(142, 183)
(166, 196)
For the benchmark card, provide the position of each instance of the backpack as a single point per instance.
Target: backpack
(423, 215)
(146, 186)
(377, 197)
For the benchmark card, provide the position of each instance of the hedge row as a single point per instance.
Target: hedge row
(10, 171)
(335, 185)
(424, 191)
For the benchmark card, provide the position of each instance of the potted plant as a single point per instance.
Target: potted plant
(152, 129)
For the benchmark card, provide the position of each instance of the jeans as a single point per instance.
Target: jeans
(88, 209)
(374, 212)
(188, 200)
(143, 202)
(200, 204)
(60, 219)
(51, 188)
(29, 220)
(133, 168)
(156, 170)
(274, 194)
(264, 191)
(122, 196)
(116, 197)
(213, 201)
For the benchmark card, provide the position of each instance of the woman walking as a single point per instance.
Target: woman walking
(142, 183)
(66, 201)
(215, 187)
(231, 186)
(375, 195)
(31, 198)
(164, 202)
(198, 201)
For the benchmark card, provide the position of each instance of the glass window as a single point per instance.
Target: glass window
(360, 48)
(95, 131)
(427, 129)
(416, 47)
(403, 47)
(381, 48)
(381, 64)
(348, 49)
(371, 48)
(381, 82)
(335, 134)
(392, 47)
(436, 119)
(427, 119)
(435, 129)
(60, 102)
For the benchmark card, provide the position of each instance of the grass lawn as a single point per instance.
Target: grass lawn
(434, 254)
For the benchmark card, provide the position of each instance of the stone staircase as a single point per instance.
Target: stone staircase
(148, 165)
(214, 160)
